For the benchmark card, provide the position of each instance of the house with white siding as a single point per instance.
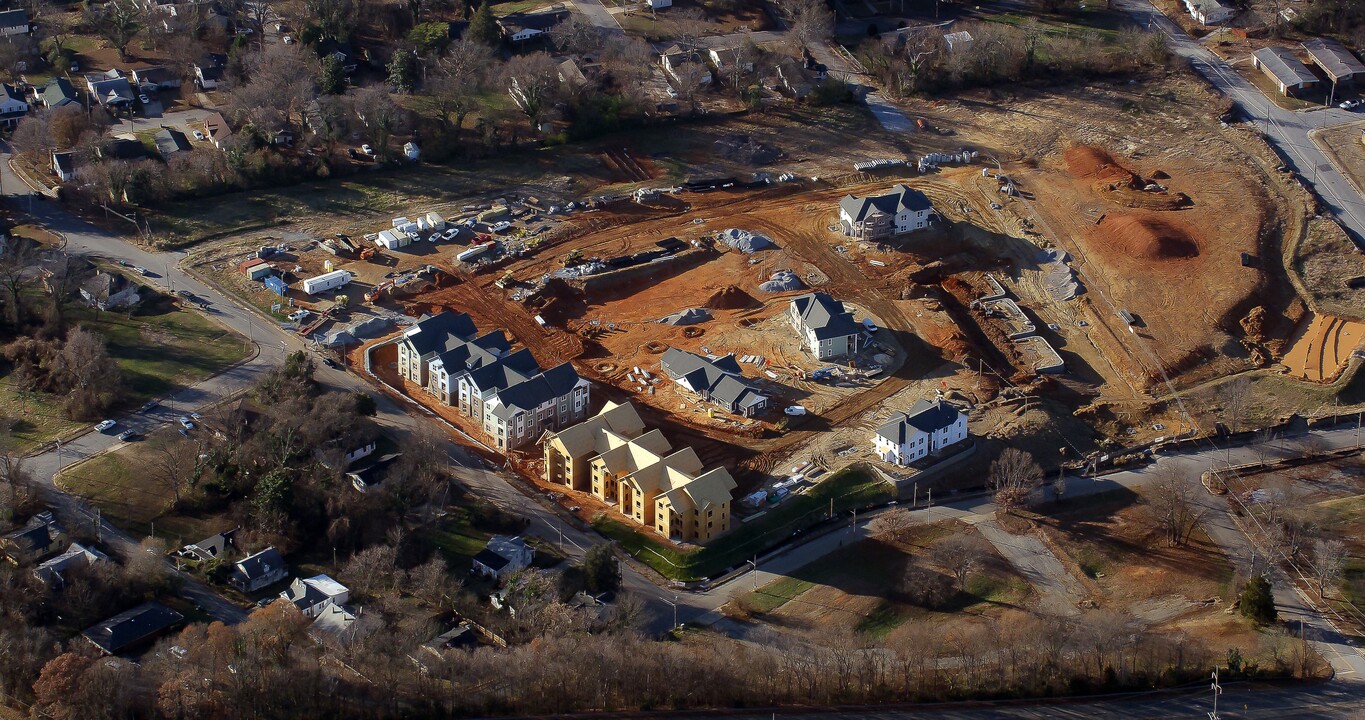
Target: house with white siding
(926, 428)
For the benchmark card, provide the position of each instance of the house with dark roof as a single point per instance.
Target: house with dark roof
(170, 141)
(14, 22)
(64, 166)
(717, 380)
(121, 149)
(58, 92)
(1280, 64)
(217, 129)
(927, 427)
(110, 89)
(213, 546)
(53, 572)
(313, 595)
(827, 329)
(1340, 65)
(503, 555)
(156, 78)
(13, 106)
(41, 537)
(877, 217)
(132, 629)
(254, 572)
(505, 391)
(341, 52)
(373, 474)
(520, 27)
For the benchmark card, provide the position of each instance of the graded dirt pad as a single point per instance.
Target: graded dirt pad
(1322, 346)
(1087, 161)
(1144, 237)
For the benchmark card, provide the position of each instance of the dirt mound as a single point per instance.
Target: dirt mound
(1086, 161)
(731, 298)
(1145, 238)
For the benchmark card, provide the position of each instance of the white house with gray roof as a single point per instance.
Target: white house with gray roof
(505, 391)
(1285, 68)
(717, 380)
(928, 427)
(254, 572)
(1210, 12)
(827, 329)
(877, 217)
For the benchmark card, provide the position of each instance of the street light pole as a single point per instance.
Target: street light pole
(753, 574)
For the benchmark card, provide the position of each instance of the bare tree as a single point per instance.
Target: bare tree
(456, 88)
(1173, 501)
(1014, 476)
(812, 22)
(531, 80)
(576, 35)
(959, 555)
(894, 524)
(1236, 401)
(381, 116)
(177, 465)
(117, 21)
(1329, 560)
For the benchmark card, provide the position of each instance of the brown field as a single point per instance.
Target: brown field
(1321, 347)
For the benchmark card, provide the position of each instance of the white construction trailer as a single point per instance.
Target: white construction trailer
(326, 281)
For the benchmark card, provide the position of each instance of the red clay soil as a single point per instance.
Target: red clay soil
(1145, 237)
(1085, 161)
(731, 298)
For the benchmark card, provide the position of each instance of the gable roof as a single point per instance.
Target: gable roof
(124, 149)
(900, 198)
(132, 627)
(735, 393)
(1285, 66)
(14, 94)
(543, 21)
(212, 546)
(216, 127)
(825, 316)
(439, 333)
(170, 141)
(261, 564)
(1333, 58)
(711, 488)
(621, 420)
(76, 556)
(65, 161)
(375, 472)
(58, 92)
(38, 535)
(500, 551)
(309, 592)
(13, 18)
(925, 415)
(154, 75)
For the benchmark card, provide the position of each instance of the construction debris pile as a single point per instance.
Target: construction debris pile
(782, 281)
(690, 316)
(1058, 277)
(367, 328)
(745, 241)
(933, 160)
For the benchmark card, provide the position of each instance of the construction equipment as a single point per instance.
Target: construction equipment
(574, 257)
(373, 295)
(506, 279)
(368, 253)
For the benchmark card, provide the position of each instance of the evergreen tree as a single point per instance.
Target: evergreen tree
(601, 572)
(1258, 603)
(483, 27)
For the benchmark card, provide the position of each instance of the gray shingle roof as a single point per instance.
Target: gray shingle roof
(58, 92)
(1285, 66)
(170, 141)
(132, 627)
(441, 333)
(720, 378)
(1333, 58)
(13, 18)
(900, 198)
(825, 316)
(925, 415)
(261, 564)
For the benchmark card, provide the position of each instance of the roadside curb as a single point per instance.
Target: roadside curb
(1332, 157)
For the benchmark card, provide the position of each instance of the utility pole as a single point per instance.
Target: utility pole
(1217, 690)
(753, 574)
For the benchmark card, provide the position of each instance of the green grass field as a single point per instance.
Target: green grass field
(457, 539)
(160, 348)
(850, 488)
(777, 593)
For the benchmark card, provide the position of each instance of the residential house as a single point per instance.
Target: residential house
(254, 572)
(110, 291)
(341, 52)
(217, 129)
(828, 330)
(13, 106)
(685, 66)
(211, 547)
(14, 22)
(313, 595)
(878, 217)
(53, 573)
(64, 166)
(791, 75)
(613, 457)
(1340, 65)
(1289, 73)
(958, 42)
(506, 392)
(460, 636)
(927, 427)
(520, 27)
(121, 148)
(41, 537)
(208, 73)
(132, 629)
(338, 626)
(58, 92)
(725, 58)
(1210, 12)
(372, 474)
(111, 90)
(718, 381)
(571, 74)
(170, 141)
(503, 555)
(156, 78)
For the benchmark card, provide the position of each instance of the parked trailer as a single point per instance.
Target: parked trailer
(475, 251)
(326, 281)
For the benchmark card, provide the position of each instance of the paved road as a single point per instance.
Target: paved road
(1285, 130)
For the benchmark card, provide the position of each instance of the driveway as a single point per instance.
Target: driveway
(1058, 590)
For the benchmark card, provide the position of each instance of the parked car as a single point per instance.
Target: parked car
(499, 227)
(127, 435)
(144, 100)
(148, 405)
(288, 40)
(299, 315)
(1351, 104)
(367, 149)
(329, 362)
(200, 136)
(450, 234)
(140, 270)
(186, 422)
(195, 416)
(671, 92)
(104, 425)
(869, 326)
